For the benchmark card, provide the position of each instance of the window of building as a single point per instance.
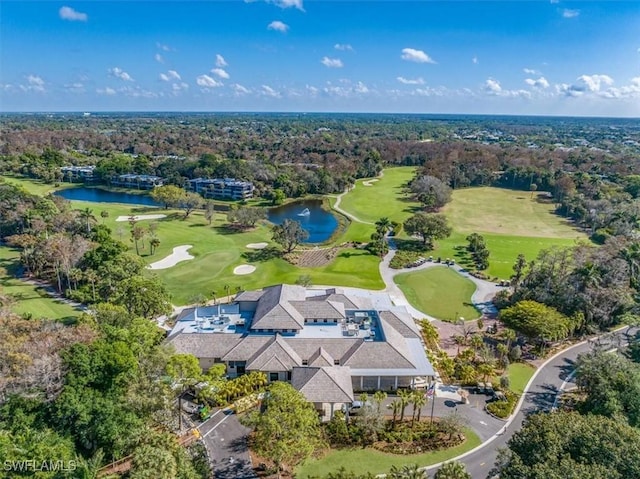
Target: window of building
(273, 376)
(305, 362)
(336, 362)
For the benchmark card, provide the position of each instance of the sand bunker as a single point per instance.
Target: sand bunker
(244, 269)
(369, 182)
(141, 217)
(257, 245)
(179, 254)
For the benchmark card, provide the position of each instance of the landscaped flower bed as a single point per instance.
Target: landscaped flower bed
(503, 409)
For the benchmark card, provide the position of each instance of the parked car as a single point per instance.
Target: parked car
(357, 407)
(419, 383)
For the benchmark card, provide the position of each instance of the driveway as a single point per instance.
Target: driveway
(554, 376)
(226, 442)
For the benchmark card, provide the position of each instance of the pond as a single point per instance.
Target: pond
(97, 195)
(320, 223)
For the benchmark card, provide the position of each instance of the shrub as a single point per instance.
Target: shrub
(515, 354)
(503, 409)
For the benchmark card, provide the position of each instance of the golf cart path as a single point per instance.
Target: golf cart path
(336, 206)
(481, 297)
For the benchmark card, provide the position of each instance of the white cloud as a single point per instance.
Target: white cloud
(278, 26)
(413, 55)
(119, 73)
(106, 91)
(474, 60)
(164, 48)
(158, 58)
(539, 83)
(554, 1)
(207, 82)
(493, 87)
(178, 87)
(287, 4)
(568, 13)
(408, 81)
(220, 61)
(239, 89)
(331, 62)
(343, 47)
(75, 87)
(221, 73)
(170, 75)
(627, 91)
(531, 71)
(68, 13)
(594, 82)
(268, 91)
(361, 88)
(34, 83)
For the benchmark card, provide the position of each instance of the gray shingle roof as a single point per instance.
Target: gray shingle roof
(246, 347)
(321, 358)
(278, 349)
(319, 309)
(337, 348)
(400, 324)
(328, 385)
(249, 295)
(274, 310)
(204, 345)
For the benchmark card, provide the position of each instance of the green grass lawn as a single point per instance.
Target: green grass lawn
(29, 299)
(361, 461)
(439, 292)
(218, 251)
(506, 212)
(519, 375)
(383, 198)
(504, 250)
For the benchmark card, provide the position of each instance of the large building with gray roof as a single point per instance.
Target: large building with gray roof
(317, 339)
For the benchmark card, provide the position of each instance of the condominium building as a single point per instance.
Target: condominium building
(222, 188)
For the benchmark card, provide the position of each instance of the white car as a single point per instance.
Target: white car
(419, 383)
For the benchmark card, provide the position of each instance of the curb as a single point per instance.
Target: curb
(519, 405)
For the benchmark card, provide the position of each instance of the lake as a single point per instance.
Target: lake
(320, 223)
(97, 195)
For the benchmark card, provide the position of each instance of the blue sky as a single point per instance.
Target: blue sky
(542, 57)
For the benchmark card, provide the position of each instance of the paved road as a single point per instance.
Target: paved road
(226, 442)
(551, 377)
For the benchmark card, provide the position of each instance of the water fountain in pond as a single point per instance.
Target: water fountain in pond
(304, 212)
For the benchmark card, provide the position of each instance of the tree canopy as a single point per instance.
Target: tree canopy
(428, 227)
(289, 234)
(288, 431)
(565, 445)
(537, 321)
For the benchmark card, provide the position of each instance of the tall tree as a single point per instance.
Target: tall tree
(572, 446)
(429, 227)
(170, 196)
(87, 217)
(288, 431)
(289, 234)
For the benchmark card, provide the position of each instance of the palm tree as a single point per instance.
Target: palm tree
(404, 397)
(418, 400)
(408, 471)
(154, 243)
(86, 216)
(383, 225)
(226, 290)
(104, 214)
(452, 470)
(509, 335)
(378, 398)
(395, 407)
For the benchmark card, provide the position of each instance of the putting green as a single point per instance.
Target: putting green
(439, 292)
